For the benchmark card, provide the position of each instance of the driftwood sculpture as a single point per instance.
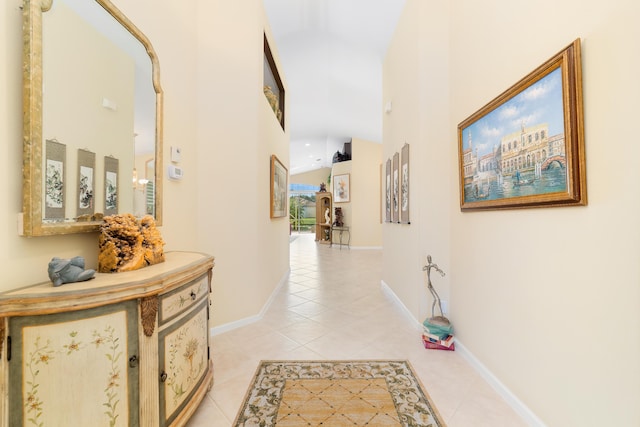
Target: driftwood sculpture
(127, 243)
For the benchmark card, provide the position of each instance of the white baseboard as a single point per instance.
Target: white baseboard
(516, 404)
(357, 248)
(387, 289)
(252, 319)
(512, 400)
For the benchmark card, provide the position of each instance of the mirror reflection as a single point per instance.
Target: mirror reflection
(98, 115)
(93, 105)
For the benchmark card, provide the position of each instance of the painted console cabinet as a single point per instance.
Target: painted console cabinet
(123, 349)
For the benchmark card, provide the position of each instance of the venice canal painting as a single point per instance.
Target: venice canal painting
(518, 149)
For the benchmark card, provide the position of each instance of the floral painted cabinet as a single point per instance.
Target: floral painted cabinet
(183, 348)
(123, 349)
(77, 368)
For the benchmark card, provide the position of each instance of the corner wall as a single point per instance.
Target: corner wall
(237, 134)
(416, 82)
(533, 292)
(362, 212)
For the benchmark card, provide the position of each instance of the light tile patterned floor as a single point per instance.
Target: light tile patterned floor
(333, 307)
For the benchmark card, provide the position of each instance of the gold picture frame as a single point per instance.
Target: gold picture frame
(508, 160)
(279, 188)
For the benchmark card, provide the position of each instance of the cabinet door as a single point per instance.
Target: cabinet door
(73, 369)
(184, 360)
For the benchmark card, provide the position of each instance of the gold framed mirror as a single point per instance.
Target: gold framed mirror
(92, 105)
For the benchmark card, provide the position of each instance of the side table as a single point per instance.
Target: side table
(342, 230)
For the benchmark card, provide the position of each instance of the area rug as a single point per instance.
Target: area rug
(336, 393)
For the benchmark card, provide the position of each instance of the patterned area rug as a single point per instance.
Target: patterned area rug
(336, 393)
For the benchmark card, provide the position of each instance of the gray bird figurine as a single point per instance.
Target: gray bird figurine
(68, 270)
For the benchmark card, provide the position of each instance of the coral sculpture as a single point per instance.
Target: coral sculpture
(127, 244)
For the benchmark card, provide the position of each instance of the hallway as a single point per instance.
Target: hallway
(334, 307)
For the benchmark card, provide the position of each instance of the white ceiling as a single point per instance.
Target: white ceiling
(331, 53)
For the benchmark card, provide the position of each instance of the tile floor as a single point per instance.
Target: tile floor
(333, 307)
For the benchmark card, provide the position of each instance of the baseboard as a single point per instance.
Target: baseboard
(252, 319)
(516, 404)
(357, 248)
(387, 289)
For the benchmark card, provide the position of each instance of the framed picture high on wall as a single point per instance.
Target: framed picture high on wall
(526, 147)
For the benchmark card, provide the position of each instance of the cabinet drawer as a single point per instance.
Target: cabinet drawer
(174, 303)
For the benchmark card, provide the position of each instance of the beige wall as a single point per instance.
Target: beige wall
(215, 110)
(237, 133)
(547, 300)
(314, 177)
(361, 213)
(365, 193)
(415, 81)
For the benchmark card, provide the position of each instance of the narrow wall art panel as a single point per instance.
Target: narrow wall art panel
(54, 195)
(86, 183)
(111, 178)
(404, 186)
(395, 206)
(388, 189)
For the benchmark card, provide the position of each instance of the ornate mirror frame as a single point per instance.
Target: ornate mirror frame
(32, 215)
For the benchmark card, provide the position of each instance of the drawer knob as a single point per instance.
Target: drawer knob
(133, 361)
(163, 376)
(193, 295)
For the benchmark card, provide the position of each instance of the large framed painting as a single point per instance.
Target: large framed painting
(526, 147)
(278, 188)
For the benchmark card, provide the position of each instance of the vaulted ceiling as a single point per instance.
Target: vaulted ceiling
(331, 53)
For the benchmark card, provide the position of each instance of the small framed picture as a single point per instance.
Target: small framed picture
(341, 190)
(279, 188)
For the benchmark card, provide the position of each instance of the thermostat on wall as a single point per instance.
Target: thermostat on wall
(175, 172)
